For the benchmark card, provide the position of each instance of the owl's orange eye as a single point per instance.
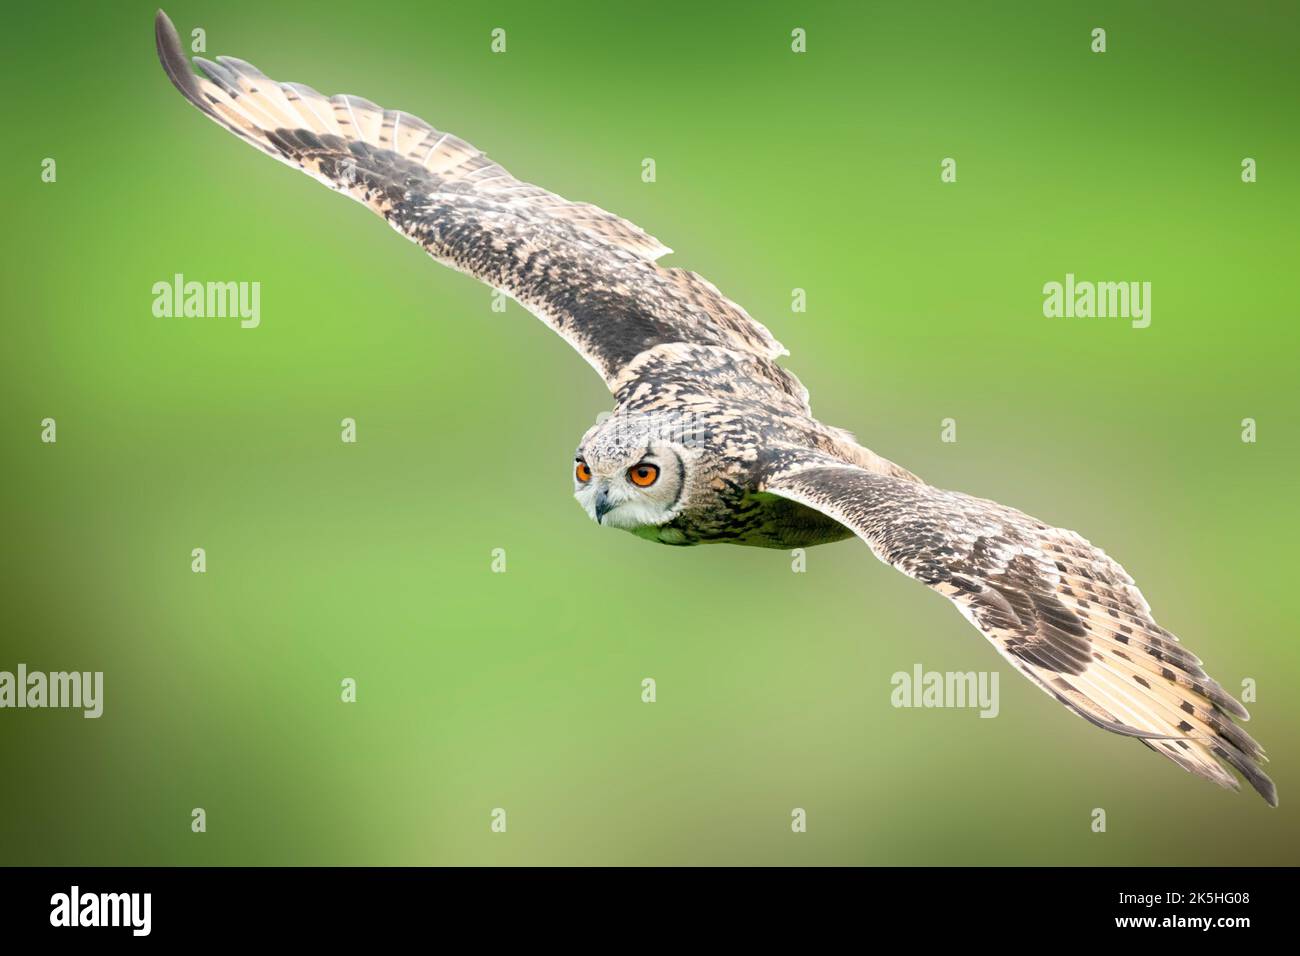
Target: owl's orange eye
(582, 472)
(643, 475)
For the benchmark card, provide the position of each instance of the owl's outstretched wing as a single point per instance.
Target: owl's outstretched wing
(1067, 616)
(588, 274)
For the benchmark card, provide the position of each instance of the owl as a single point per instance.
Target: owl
(711, 440)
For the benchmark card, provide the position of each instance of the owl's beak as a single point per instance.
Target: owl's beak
(602, 505)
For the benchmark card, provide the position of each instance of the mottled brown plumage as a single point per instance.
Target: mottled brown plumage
(724, 435)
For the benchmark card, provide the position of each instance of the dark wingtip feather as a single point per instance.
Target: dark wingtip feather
(1254, 774)
(173, 60)
(1264, 786)
(1261, 782)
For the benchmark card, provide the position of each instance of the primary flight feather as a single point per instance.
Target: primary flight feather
(712, 441)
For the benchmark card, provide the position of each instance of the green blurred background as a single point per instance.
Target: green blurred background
(522, 690)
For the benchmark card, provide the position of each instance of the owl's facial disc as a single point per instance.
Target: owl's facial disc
(632, 488)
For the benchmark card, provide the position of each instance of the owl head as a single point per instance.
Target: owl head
(633, 471)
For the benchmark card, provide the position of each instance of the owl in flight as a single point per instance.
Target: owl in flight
(710, 440)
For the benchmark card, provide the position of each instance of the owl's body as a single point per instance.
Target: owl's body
(737, 419)
(712, 441)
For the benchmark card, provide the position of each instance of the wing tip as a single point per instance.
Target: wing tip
(174, 63)
(1261, 782)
